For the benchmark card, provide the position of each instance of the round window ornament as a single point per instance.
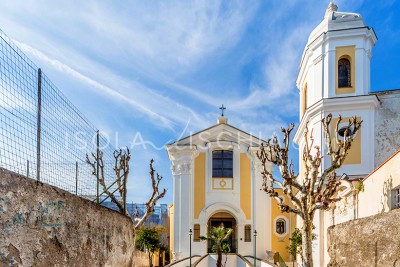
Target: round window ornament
(222, 183)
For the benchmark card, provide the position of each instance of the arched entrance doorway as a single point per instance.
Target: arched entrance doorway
(228, 221)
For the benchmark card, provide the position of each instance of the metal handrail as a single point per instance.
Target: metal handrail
(202, 258)
(278, 259)
(178, 261)
(259, 259)
(245, 260)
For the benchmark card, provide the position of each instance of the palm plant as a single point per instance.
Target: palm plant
(218, 235)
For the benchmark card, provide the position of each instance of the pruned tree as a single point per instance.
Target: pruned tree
(121, 170)
(155, 196)
(312, 190)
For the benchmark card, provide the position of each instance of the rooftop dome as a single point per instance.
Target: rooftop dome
(335, 20)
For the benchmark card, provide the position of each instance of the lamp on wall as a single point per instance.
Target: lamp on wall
(190, 247)
(255, 247)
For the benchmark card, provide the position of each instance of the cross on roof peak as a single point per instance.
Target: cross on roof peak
(222, 108)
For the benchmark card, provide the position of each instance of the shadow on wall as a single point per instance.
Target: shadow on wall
(387, 188)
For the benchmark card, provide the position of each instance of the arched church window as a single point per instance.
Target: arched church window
(280, 226)
(222, 164)
(344, 73)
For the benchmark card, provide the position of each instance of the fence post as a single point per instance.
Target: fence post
(97, 163)
(27, 168)
(76, 178)
(39, 116)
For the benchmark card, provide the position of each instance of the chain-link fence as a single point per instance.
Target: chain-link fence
(42, 134)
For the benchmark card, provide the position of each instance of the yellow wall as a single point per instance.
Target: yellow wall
(199, 184)
(348, 52)
(279, 244)
(354, 154)
(303, 101)
(377, 196)
(245, 185)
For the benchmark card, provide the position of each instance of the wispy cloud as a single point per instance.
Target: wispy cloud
(148, 101)
(103, 88)
(165, 63)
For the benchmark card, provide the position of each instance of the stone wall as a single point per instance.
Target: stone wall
(387, 126)
(371, 241)
(45, 226)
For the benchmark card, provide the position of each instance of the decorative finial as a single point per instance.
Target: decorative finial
(331, 8)
(222, 108)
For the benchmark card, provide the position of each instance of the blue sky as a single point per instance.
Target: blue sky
(158, 70)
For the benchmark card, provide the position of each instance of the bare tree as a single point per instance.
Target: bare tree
(312, 190)
(121, 169)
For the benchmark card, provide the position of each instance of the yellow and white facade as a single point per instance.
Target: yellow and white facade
(334, 77)
(203, 198)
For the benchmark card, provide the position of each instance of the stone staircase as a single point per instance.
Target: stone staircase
(210, 260)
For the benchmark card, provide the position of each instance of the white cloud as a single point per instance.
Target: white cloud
(141, 98)
(170, 36)
(141, 53)
(103, 88)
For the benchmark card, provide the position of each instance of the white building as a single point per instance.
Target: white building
(204, 196)
(217, 179)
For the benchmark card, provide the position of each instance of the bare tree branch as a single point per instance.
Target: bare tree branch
(273, 152)
(121, 170)
(156, 195)
(313, 190)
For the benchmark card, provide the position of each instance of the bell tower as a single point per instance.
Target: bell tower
(334, 77)
(336, 59)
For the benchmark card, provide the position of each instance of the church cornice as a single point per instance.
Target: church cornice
(335, 104)
(181, 152)
(219, 133)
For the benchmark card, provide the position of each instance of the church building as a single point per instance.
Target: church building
(217, 180)
(217, 175)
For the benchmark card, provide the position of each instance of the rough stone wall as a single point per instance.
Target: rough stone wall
(45, 226)
(371, 241)
(387, 126)
(140, 259)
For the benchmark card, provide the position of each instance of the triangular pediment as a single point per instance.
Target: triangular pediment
(220, 133)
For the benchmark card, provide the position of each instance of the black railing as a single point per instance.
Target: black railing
(279, 261)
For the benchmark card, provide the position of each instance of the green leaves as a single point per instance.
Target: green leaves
(296, 242)
(218, 234)
(148, 239)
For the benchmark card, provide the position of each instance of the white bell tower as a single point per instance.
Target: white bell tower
(334, 77)
(340, 43)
